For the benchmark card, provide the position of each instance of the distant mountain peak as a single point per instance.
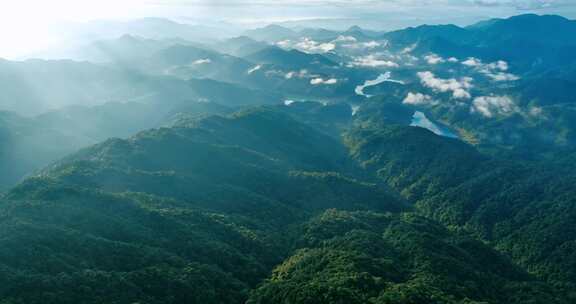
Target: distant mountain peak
(272, 32)
(241, 39)
(130, 38)
(524, 19)
(276, 27)
(536, 16)
(354, 28)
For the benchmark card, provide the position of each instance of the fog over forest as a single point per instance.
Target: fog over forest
(288, 151)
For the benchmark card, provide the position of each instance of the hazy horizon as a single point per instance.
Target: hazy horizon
(185, 152)
(47, 23)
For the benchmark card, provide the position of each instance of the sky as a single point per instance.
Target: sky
(26, 25)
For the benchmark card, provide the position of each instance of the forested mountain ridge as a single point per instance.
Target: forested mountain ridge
(432, 164)
(203, 211)
(514, 92)
(513, 205)
(88, 197)
(364, 257)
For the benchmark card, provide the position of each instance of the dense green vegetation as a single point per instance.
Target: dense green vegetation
(264, 206)
(194, 176)
(70, 245)
(365, 257)
(187, 214)
(522, 209)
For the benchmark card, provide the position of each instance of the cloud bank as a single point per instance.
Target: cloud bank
(321, 81)
(496, 71)
(418, 99)
(490, 106)
(372, 61)
(458, 88)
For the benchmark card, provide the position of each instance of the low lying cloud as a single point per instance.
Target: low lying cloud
(202, 61)
(536, 111)
(418, 99)
(351, 42)
(342, 38)
(321, 81)
(496, 71)
(308, 45)
(500, 65)
(490, 106)
(472, 62)
(299, 74)
(311, 46)
(372, 61)
(409, 49)
(362, 45)
(371, 44)
(459, 88)
(500, 76)
(434, 59)
(254, 69)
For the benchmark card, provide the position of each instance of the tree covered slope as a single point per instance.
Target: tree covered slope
(260, 206)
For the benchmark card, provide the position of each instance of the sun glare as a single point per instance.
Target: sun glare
(27, 26)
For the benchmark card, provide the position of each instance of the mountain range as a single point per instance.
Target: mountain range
(432, 164)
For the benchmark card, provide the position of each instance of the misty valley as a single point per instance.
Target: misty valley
(159, 162)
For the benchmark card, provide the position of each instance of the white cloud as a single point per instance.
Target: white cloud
(202, 61)
(311, 46)
(254, 69)
(345, 39)
(362, 45)
(285, 44)
(274, 73)
(453, 59)
(496, 71)
(459, 88)
(321, 81)
(371, 44)
(373, 62)
(419, 99)
(299, 74)
(499, 65)
(355, 109)
(536, 111)
(472, 62)
(434, 59)
(307, 45)
(388, 13)
(461, 94)
(501, 76)
(409, 49)
(489, 106)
